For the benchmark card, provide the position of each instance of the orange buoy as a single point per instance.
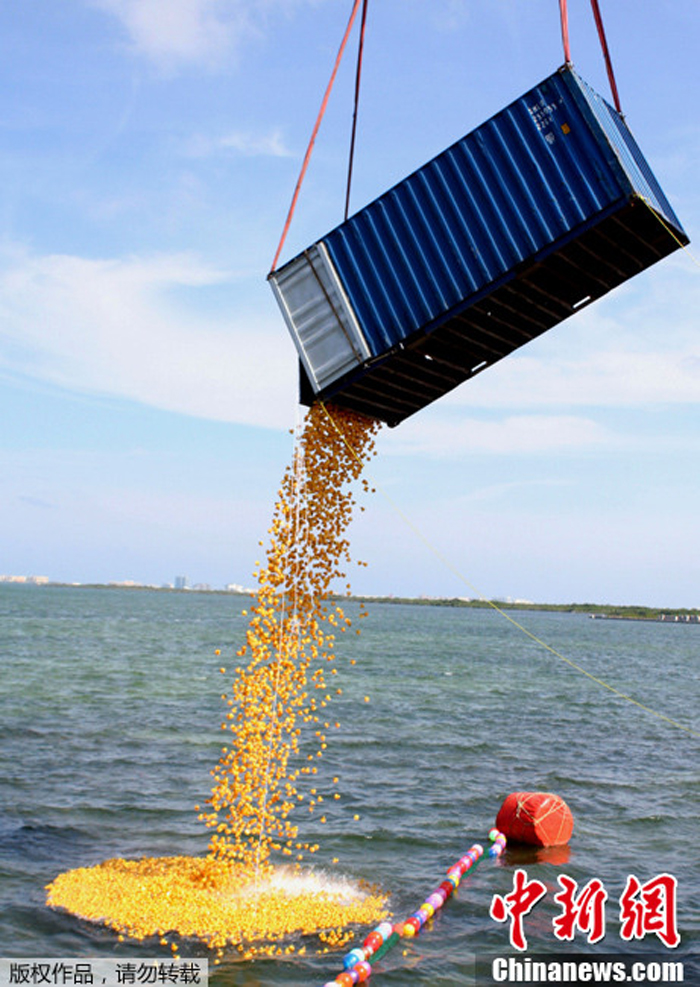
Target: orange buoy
(537, 818)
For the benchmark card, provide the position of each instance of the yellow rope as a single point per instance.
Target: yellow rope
(446, 562)
(670, 230)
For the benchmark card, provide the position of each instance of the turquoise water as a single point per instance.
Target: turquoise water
(109, 725)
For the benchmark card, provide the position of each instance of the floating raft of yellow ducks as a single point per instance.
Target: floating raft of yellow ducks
(201, 899)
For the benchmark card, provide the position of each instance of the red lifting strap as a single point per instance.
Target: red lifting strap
(564, 16)
(319, 118)
(606, 55)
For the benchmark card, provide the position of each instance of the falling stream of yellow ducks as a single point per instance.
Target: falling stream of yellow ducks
(240, 895)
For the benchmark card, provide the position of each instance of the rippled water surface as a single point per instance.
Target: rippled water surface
(109, 724)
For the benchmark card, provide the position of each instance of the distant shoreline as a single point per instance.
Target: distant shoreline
(598, 611)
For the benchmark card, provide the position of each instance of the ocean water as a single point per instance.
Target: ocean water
(110, 716)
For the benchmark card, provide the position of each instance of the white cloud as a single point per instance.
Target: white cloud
(455, 436)
(615, 377)
(243, 143)
(179, 32)
(253, 145)
(637, 348)
(128, 328)
(451, 15)
(175, 33)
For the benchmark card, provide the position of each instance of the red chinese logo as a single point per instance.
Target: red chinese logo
(585, 911)
(516, 905)
(650, 908)
(645, 909)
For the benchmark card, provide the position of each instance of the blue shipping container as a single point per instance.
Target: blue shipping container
(540, 210)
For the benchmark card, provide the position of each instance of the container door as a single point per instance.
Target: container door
(319, 317)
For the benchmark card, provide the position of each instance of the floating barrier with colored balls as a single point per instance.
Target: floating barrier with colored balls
(536, 818)
(356, 964)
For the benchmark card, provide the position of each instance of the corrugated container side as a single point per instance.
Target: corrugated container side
(497, 197)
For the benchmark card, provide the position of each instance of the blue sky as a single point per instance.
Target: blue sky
(148, 152)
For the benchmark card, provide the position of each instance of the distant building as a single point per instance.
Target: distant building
(181, 582)
(32, 580)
